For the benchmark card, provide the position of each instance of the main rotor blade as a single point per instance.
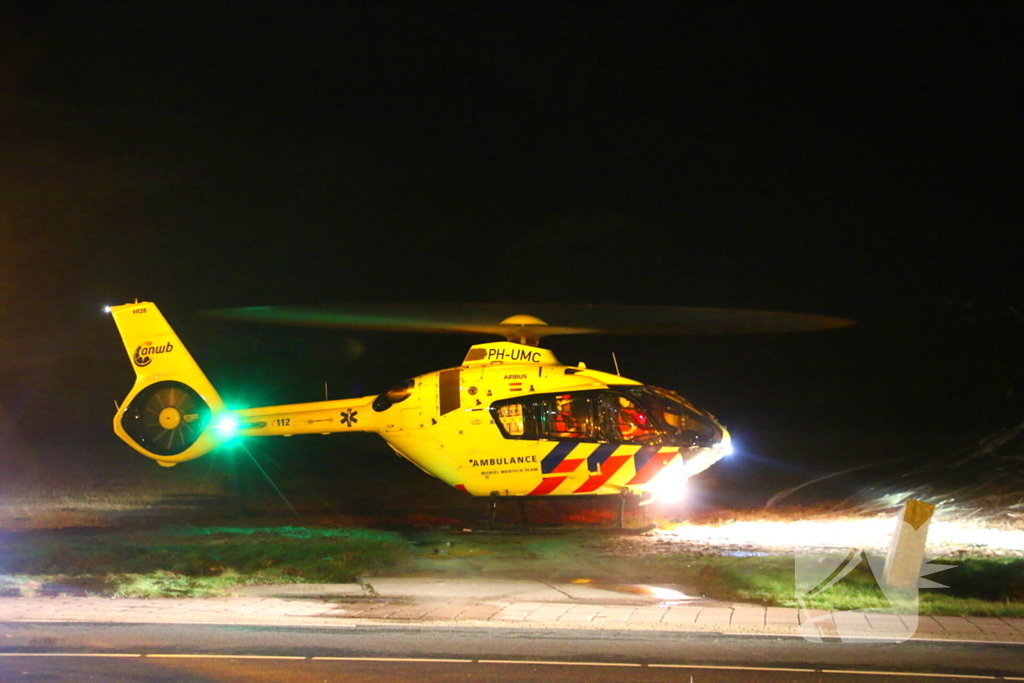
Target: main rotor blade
(560, 318)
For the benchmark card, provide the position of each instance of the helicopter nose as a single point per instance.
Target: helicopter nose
(724, 446)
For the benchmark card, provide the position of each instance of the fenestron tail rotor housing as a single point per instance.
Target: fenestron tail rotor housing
(166, 418)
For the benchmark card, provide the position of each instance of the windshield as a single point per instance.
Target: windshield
(683, 423)
(645, 415)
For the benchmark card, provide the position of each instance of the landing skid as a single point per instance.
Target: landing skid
(524, 524)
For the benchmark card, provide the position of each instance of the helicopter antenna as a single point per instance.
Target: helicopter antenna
(325, 392)
(616, 361)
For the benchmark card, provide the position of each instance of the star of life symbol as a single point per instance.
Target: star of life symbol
(817, 573)
(348, 417)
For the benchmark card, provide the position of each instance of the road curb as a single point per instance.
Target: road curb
(721, 621)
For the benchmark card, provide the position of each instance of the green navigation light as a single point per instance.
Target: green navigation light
(227, 426)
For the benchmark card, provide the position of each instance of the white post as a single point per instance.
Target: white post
(906, 551)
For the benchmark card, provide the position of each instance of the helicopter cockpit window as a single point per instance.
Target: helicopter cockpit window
(567, 416)
(685, 424)
(547, 416)
(624, 420)
(627, 414)
(510, 417)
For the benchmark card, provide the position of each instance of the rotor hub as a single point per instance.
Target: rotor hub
(522, 329)
(523, 320)
(170, 417)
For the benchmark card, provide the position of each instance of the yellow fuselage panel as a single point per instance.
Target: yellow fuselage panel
(444, 426)
(465, 448)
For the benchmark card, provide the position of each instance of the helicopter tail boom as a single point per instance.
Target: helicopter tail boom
(321, 417)
(167, 413)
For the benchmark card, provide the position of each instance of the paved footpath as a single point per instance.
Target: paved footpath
(528, 604)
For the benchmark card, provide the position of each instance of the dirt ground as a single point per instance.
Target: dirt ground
(566, 539)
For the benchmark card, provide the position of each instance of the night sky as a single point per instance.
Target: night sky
(843, 159)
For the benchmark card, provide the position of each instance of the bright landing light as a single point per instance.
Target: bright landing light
(670, 484)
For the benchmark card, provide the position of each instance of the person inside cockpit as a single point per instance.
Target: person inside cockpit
(566, 423)
(632, 423)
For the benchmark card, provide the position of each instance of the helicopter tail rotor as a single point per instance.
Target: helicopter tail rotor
(167, 413)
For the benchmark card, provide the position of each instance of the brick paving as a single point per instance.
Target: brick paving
(748, 617)
(651, 615)
(714, 617)
(818, 616)
(782, 616)
(1014, 623)
(480, 612)
(991, 625)
(956, 625)
(928, 625)
(614, 614)
(685, 617)
(885, 622)
(504, 612)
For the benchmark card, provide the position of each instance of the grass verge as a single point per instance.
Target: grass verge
(974, 586)
(190, 561)
(195, 562)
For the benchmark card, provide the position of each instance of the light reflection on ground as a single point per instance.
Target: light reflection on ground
(660, 592)
(665, 594)
(944, 537)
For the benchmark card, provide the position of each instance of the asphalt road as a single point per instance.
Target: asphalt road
(152, 653)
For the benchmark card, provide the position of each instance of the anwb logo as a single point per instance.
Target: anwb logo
(144, 352)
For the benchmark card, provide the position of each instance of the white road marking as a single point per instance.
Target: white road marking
(526, 661)
(731, 668)
(489, 624)
(904, 673)
(931, 640)
(65, 654)
(186, 656)
(711, 667)
(390, 659)
(881, 640)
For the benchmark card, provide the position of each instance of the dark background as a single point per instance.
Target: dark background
(852, 160)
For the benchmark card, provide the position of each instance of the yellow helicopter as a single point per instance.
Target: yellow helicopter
(510, 420)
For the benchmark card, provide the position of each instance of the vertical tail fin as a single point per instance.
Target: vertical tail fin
(167, 413)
